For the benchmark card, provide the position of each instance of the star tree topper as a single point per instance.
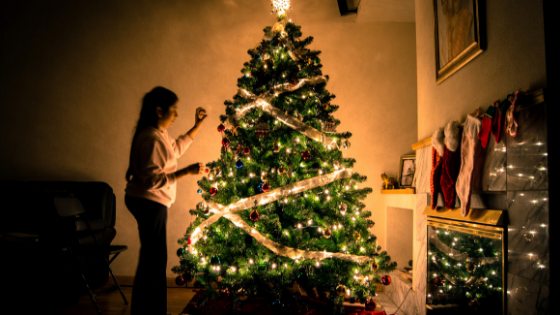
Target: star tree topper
(280, 7)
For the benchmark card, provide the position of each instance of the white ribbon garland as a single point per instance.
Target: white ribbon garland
(263, 102)
(219, 210)
(290, 252)
(230, 212)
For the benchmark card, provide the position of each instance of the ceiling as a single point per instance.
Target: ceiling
(381, 10)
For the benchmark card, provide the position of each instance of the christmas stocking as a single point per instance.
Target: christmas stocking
(469, 149)
(450, 163)
(499, 118)
(437, 153)
(484, 133)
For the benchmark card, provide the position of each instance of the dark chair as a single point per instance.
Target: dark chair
(72, 223)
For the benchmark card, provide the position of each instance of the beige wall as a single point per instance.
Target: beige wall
(73, 74)
(514, 59)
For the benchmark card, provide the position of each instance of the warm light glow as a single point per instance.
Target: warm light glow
(273, 266)
(250, 261)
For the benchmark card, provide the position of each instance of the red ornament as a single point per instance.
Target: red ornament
(207, 170)
(180, 281)
(221, 128)
(385, 280)
(370, 305)
(189, 241)
(246, 151)
(438, 281)
(266, 187)
(254, 215)
(213, 191)
(306, 155)
(225, 142)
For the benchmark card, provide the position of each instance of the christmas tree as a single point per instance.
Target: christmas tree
(282, 205)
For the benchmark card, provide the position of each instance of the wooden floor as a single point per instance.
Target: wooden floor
(112, 303)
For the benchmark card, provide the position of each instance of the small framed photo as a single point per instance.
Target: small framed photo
(407, 170)
(459, 34)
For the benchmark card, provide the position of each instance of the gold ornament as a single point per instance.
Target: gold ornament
(357, 235)
(326, 105)
(276, 147)
(234, 130)
(281, 170)
(219, 279)
(374, 266)
(341, 290)
(242, 294)
(327, 233)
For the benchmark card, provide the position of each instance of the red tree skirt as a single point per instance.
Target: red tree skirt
(257, 306)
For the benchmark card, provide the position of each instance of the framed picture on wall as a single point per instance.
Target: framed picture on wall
(407, 169)
(459, 34)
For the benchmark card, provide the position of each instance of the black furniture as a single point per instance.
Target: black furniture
(54, 236)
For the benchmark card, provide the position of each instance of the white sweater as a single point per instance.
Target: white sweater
(154, 162)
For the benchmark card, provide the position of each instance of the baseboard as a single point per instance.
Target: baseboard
(128, 281)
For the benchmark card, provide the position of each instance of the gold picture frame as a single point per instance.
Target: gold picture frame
(459, 34)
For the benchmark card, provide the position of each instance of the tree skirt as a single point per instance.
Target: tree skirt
(257, 306)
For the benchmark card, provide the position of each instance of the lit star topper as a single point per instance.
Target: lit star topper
(280, 6)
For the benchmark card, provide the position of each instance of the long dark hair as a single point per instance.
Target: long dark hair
(157, 97)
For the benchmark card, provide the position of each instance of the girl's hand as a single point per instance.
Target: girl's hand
(200, 116)
(195, 169)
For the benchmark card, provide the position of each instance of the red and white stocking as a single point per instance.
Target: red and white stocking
(450, 165)
(435, 176)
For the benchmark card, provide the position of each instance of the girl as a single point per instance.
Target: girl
(151, 176)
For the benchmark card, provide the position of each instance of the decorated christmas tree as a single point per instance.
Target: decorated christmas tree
(281, 204)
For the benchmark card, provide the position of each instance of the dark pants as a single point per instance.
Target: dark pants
(149, 293)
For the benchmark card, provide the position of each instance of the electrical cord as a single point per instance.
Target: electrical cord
(402, 301)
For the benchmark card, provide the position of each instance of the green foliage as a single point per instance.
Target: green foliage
(298, 220)
(463, 265)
